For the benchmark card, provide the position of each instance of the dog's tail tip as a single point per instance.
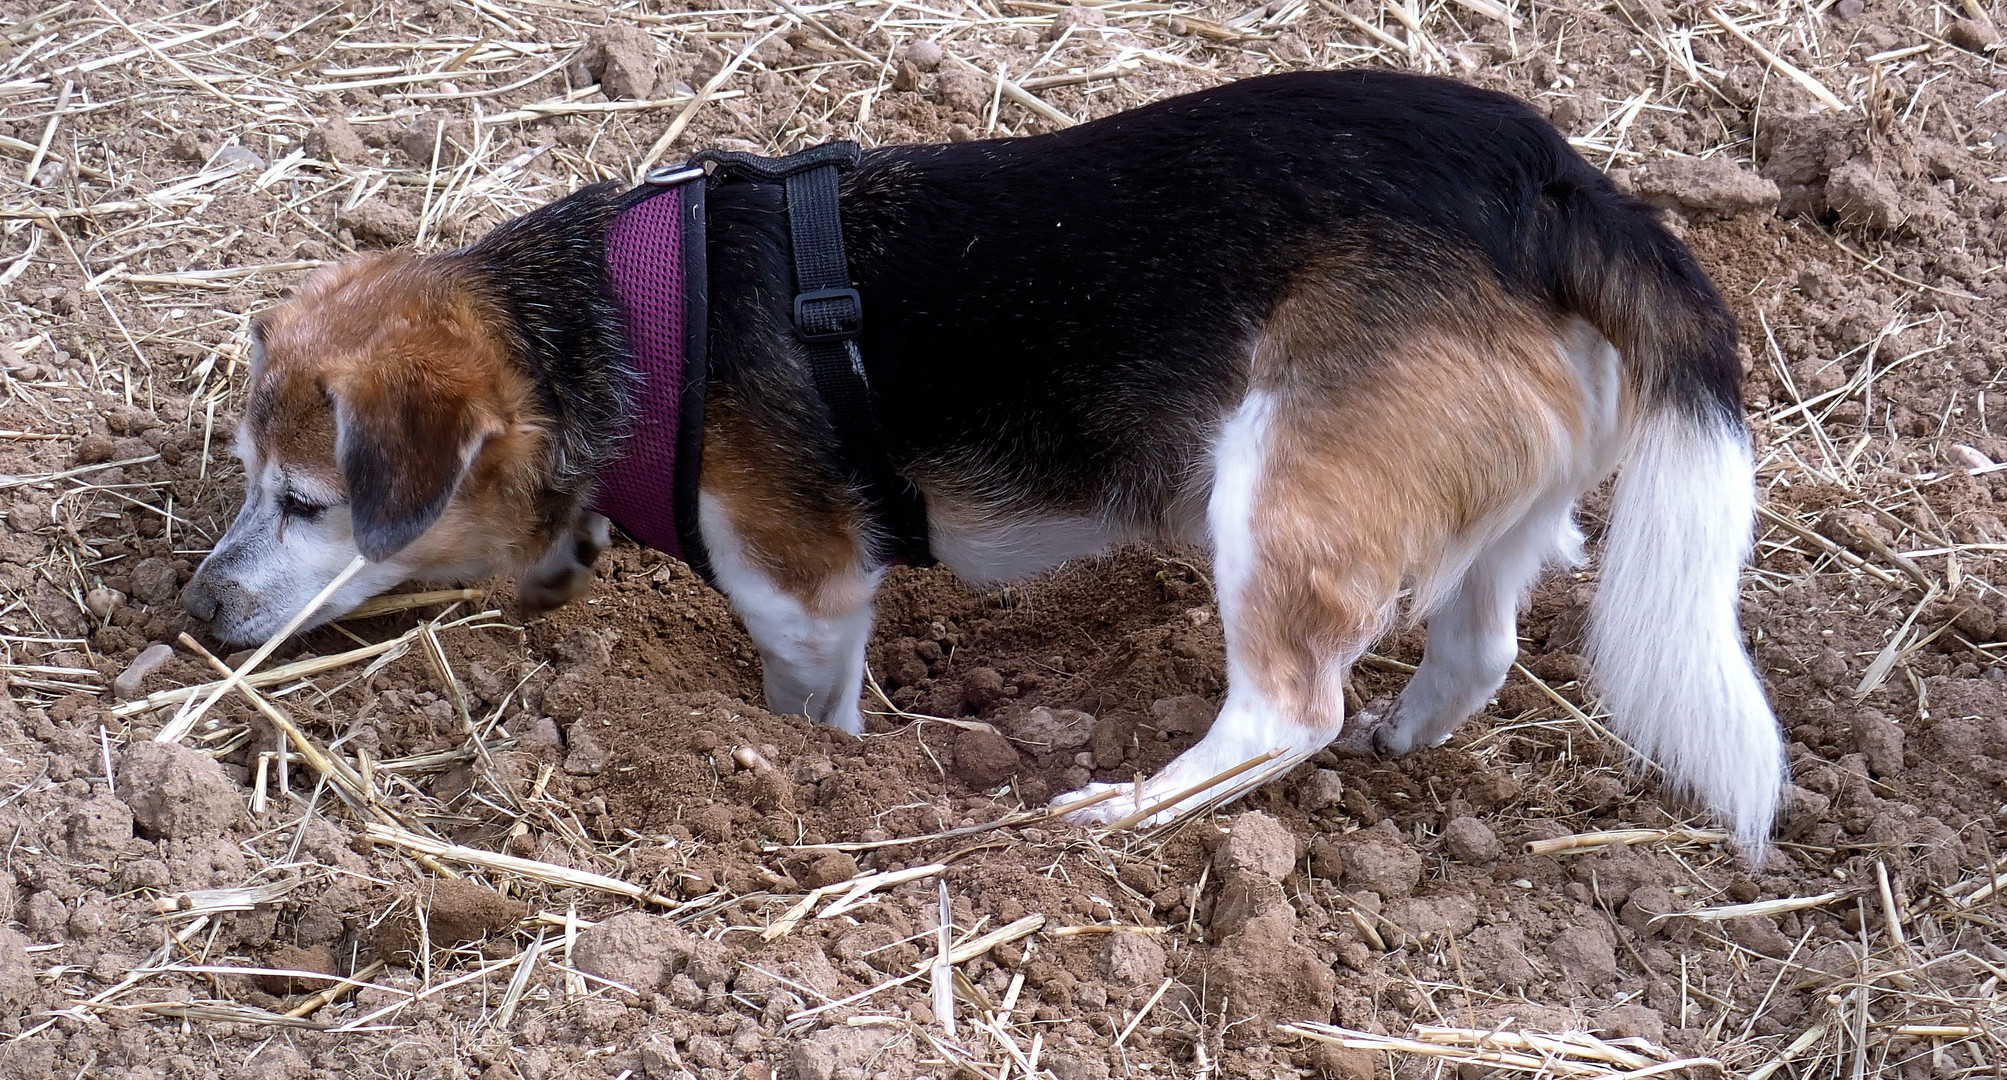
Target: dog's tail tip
(1664, 639)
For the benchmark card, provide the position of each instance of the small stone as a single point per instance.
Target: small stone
(621, 59)
(1432, 920)
(841, 1053)
(1708, 187)
(1073, 18)
(984, 759)
(1759, 933)
(1798, 810)
(94, 450)
(1326, 861)
(590, 651)
(1378, 861)
(1333, 1062)
(1256, 846)
(1472, 841)
(1321, 790)
(336, 140)
(1965, 457)
(1048, 730)
(194, 145)
(1865, 199)
(1065, 1066)
(1585, 955)
(636, 949)
(1880, 740)
(828, 870)
(543, 731)
(713, 823)
(98, 829)
(27, 517)
(18, 989)
(963, 90)
(586, 755)
(318, 958)
(174, 791)
(154, 581)
(428, 134)
(379, 224)
(981, 688)
(237, 159)
(925, 55)
(1632, 1022)
(101, 601)
(1110, 743)
(127, 684)
(1188, 714)
(1972, 35)
(1133, 960)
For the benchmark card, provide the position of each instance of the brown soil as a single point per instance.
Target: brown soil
(623, 736)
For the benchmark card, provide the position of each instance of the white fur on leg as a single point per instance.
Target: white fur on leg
(1247, 726)
(814, 664)
(1472, 635)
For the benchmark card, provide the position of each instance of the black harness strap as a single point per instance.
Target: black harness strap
(828, 316)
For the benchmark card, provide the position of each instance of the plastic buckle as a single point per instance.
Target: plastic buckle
(672, 175)
(849, 318)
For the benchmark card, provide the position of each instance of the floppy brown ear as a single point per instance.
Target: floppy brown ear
(404, 441)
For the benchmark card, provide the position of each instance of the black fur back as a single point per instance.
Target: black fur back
(1060, 319)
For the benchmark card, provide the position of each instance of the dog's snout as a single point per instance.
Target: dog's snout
(200, 600)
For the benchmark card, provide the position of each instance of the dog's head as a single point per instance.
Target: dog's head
(386, 417)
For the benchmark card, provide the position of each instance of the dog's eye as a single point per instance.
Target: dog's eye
(293, 506)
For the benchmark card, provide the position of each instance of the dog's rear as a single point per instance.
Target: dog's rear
(1426, 403)
(1664, 641)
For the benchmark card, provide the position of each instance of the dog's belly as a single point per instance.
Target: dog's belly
(986, 546)
(982, 548)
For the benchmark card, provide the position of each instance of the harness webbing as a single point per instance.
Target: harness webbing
(828, 316)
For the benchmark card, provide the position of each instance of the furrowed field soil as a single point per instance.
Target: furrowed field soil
(692, 890)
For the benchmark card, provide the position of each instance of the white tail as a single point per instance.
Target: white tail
(1663, 636)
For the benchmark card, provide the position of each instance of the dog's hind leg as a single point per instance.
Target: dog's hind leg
(1299, 603)
(1473, 630)
(1473, 637)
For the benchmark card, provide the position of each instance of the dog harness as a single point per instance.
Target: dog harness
(655, 257)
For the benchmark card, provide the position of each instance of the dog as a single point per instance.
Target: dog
(1367, 336)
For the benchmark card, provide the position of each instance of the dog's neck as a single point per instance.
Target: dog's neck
(545, 273)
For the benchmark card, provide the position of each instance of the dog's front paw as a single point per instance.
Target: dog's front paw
(565, 573)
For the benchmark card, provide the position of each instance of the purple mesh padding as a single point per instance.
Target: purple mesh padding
(644, 257)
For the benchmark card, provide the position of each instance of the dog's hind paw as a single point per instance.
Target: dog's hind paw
(1366, 731)
(1117, 802)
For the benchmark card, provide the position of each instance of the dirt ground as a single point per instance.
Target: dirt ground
(578, 847)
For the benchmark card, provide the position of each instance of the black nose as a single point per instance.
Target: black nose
(199, 601)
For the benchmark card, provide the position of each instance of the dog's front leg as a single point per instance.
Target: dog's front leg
(808, 609)
(564, 572)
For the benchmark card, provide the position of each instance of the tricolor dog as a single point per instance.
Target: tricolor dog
(1366, 336)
